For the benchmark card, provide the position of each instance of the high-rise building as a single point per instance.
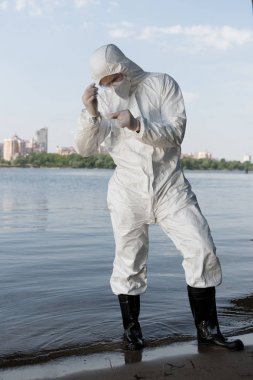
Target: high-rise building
(1, 151)
(65, 151)
(246, 157)
(8, 149)
(29, 146)
(202, 155)
(13, 147)
(41, 137)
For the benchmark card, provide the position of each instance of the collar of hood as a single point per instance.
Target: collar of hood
(109, 59)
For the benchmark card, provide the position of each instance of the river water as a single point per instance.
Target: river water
(56, 254)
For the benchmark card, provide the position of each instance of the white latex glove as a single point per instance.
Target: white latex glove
(90, 99)
(126, 120)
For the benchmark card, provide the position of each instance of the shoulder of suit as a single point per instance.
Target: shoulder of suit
(159, 82)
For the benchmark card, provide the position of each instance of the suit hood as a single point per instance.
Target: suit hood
(109, 59)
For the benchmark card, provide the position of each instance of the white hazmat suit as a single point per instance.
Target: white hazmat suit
(148, 185)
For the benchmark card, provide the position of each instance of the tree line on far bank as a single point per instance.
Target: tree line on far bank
(52, 160)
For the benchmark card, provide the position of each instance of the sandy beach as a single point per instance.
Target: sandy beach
(210, 365)
(178, 361)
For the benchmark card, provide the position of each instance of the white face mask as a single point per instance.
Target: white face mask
(121, 88)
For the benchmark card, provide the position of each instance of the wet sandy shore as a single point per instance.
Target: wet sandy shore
(177, 361)
(212, 365)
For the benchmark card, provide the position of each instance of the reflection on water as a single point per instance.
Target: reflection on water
(133, 356)
(23, 210)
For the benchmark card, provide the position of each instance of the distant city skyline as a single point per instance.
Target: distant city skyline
(15, 146)
(206, 46)
(39, 143)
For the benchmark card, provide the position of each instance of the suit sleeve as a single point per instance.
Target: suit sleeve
(170, 129)
(90, 134)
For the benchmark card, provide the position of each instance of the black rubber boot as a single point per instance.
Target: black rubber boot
(130, 310)
(203, 306)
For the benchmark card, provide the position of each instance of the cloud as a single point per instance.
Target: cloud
(3, 5)
(113, 4)
(202, 36)
(84, 3)
(39, 7)
(32, 6)
(221, 38)
(124, 30)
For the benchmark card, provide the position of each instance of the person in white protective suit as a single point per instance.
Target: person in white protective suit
(140, 118)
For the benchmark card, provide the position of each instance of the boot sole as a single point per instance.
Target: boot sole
(236, 345)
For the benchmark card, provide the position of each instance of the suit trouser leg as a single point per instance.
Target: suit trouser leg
(189, 231)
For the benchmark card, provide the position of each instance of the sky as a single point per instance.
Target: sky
(206, 46)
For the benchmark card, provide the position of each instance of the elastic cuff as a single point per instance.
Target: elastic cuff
(94, 119)
(139, 134)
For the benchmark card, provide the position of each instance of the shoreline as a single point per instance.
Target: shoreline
(179, 360)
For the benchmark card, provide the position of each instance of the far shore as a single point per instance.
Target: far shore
(105, 161)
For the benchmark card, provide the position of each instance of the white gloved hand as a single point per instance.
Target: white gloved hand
(126, 120)
(90, 99)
